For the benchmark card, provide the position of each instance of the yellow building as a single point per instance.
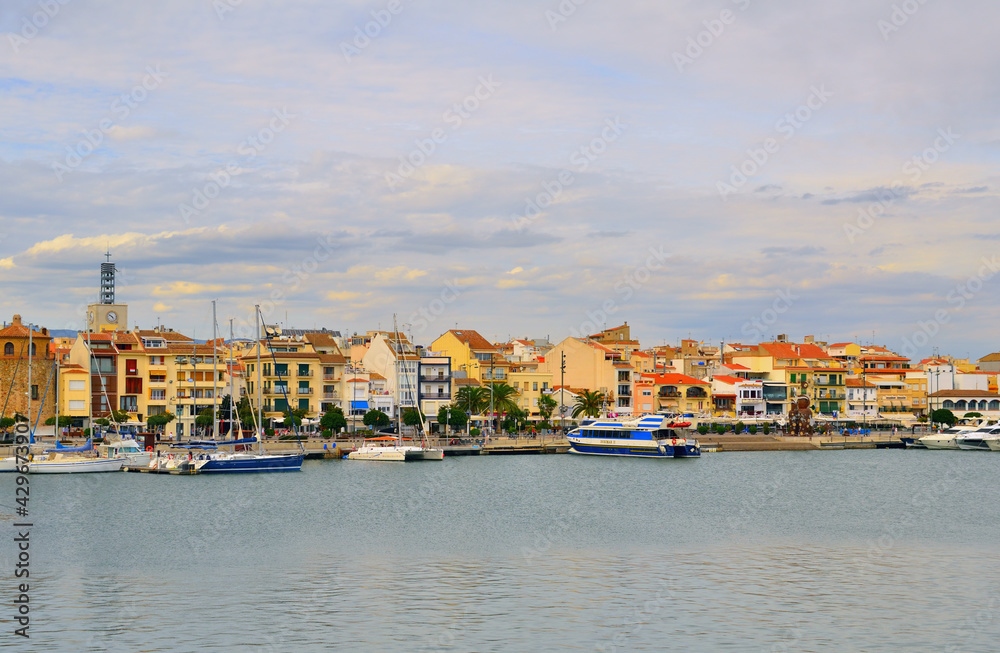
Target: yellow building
(592, 366)
(470, 352)
(530, 386)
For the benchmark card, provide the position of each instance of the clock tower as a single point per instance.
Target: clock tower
(107, 315)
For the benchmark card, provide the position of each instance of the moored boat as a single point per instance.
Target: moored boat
(71, 460)
(391, 448)
(651, 436)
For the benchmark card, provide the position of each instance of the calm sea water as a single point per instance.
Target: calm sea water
(819, 551)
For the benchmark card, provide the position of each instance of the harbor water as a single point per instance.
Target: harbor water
(874, 550)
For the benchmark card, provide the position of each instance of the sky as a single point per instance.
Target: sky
(726, 171)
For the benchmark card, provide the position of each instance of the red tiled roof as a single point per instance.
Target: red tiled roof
(965, 393)
(674, 379)
(730, 380)
(792, 351)
(472, 339)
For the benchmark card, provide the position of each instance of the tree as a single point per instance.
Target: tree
(375, 418)
(295, 416)
(515, 420)
(972, 415)
(333, 420)
(7, 422)
(119, 416)
(412, 417)
(161, 420)
(546, 406)
(589, 404)
(472, 399)
(944, 416)
(63, 421)
(204, 418)
(503, 398)
(453, 417)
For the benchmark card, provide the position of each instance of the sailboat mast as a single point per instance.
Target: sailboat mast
(31, 331)
(260, 423)
(232, 406)
(215, 376)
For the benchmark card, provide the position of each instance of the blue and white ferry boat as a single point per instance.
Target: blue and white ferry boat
(651, 436)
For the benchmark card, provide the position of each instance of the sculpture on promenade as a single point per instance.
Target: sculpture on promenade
(800, 417)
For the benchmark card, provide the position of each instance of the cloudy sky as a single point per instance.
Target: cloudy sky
(730, 170)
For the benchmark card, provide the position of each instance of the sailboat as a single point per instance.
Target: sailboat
(392, 447)
(245, 461)
(69, 460)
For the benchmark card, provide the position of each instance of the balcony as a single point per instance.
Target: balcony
(331, 395)
(305, 374)
(330, 377)
(435, 377)
(437, 395)
(305, 391)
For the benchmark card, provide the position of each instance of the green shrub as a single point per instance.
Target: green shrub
(720, 428)
(767, 429)
(753, 429)
(327, 433)
(703, 429)
(474, 432)
(738, 428)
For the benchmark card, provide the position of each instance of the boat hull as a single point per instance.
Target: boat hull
(253, 464)
(77, 466)
(626, 448)
(939, 443)
(994, 445)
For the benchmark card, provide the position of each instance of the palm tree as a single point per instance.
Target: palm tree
(473, 400)
(546, 404)
(502, 398)
(589, 404)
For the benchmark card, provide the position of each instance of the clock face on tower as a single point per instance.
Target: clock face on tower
(111, 317)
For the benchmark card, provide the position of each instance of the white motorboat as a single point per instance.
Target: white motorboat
(391, 448)
(977, 440)
(946, 439)
(993, 442)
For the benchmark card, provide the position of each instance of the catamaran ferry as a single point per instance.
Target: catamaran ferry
(654, 436)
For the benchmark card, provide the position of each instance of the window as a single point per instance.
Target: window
(534, 386)
(303, 404)
(34, 392)
(158, 395)
(303, 369)
(77, 385)
(8, 349)
(131, 366)
(77, 404)
(517, 385)
(545, 385)
(130, 404)
(281, 369)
